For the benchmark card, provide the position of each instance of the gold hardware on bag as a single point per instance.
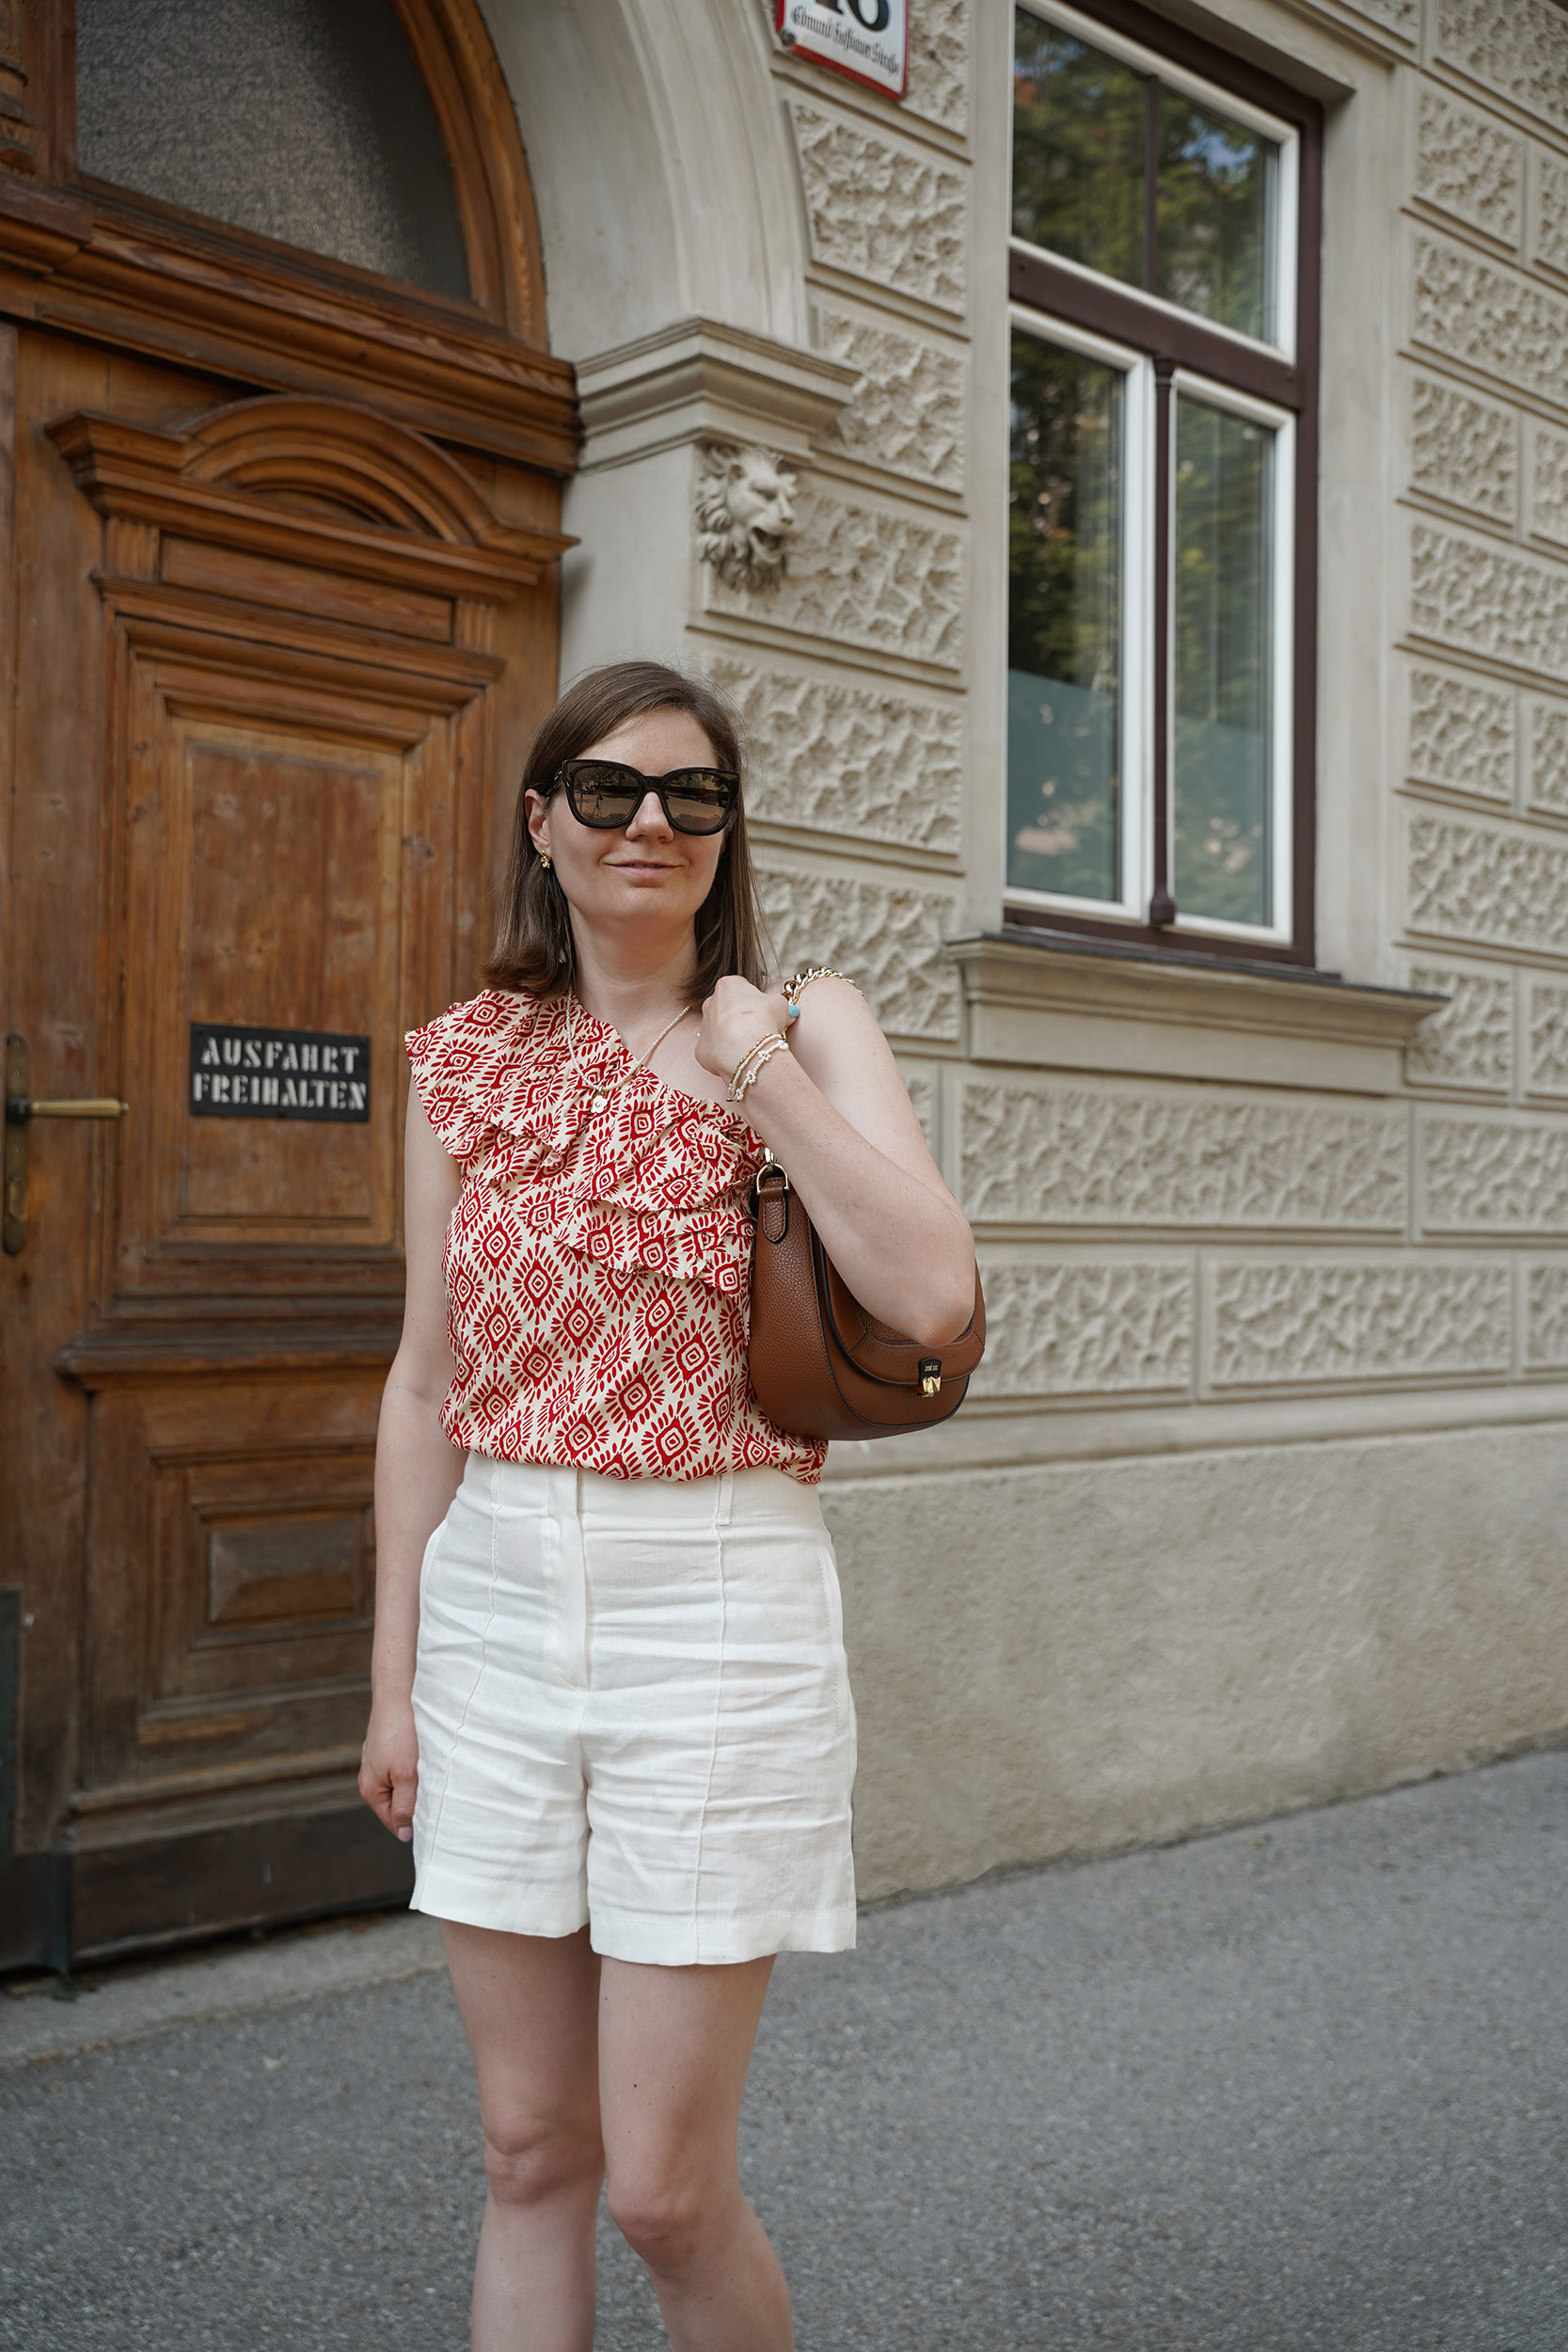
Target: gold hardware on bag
(930, 1375)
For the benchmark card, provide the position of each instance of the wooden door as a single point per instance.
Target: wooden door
(273, 657)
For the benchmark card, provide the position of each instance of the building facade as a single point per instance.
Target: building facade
(1123, 484)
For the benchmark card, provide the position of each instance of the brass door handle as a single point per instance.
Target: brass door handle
(21, 1109)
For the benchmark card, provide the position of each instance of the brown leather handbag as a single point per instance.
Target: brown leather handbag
(821, 1366)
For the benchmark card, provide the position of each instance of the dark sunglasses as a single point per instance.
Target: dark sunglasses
(603, 793)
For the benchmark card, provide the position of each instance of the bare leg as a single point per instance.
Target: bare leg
(530, 2004)
(674, 2044)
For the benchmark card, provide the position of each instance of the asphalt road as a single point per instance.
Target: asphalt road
(1298, 2089)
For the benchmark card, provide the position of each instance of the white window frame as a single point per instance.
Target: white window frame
(1135, 827)
(1282, 683)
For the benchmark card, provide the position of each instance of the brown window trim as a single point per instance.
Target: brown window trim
(1175, 340)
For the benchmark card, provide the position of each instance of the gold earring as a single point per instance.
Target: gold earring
(545, 859)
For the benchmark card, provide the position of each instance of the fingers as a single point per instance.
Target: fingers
(402, 1810)
(390, 1796)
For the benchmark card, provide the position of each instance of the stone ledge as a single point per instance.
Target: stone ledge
(989, 1436)
(698, 377)
(1170, 1016)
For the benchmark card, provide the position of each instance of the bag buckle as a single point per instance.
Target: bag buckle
(930, 1375)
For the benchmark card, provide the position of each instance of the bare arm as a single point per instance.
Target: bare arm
(417, 1473)
(836, 1112)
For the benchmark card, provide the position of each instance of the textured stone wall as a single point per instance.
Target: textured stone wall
(854, 674)
(1483, 776)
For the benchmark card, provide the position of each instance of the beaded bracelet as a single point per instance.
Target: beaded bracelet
(753, 1048)
(761, 1053)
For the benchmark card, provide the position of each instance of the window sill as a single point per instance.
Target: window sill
(1076, 1004)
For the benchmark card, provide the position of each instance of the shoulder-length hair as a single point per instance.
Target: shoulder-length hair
(534, 949)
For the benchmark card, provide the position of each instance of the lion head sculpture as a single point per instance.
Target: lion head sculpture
(745, 514)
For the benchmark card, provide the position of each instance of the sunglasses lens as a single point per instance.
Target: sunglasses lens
(602, 792)
(700, 799)
(602, 795)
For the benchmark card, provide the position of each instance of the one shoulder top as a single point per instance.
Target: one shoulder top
(598, 1263)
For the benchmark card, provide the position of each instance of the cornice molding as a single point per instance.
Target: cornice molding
(1056, 1004)
(699, 379)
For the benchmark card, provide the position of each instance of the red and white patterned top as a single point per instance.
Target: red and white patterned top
(597, 1264)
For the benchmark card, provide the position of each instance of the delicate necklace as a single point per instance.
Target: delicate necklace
(598, 1096)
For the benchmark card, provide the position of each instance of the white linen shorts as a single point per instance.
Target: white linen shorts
(634, 1714)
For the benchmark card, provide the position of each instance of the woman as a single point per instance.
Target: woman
(611, 1661)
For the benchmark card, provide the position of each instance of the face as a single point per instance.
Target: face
(647, 875)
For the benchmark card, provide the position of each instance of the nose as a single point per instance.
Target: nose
(648, 816)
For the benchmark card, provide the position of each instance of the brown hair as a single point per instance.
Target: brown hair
(534, 949)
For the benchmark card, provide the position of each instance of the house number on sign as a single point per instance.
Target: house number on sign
(868, 39)
(278, 1073)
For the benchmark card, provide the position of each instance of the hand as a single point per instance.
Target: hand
(389, 1767)
(736, 1017)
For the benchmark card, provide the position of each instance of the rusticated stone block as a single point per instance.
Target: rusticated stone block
(1400, 16)
(1472, 881)
(886, 213)
(891, 580)
(1519, 47)
(840, 758)
(924, 1096)
(1064, 1155)
(1471, 1041)
(1547, 1038)
(1548, 509)
(1491, 1173)
(1465, 450)
(939, 62)
(1548, 755)
(908, 415)
(887, 941)
(1470, 166)
(1546, 1316)
(1460, 734)
(1315, 1320)
(1110, 1328)
(1502, 325)
(1551, 222)
(1490, 600)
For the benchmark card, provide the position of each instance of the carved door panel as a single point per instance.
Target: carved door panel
(253, 842)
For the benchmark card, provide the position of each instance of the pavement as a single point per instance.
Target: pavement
(1291, 2089)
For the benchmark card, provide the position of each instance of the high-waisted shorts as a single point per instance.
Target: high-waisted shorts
(634, 1714)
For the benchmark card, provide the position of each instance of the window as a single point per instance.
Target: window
(306, 121)
(1162, 470)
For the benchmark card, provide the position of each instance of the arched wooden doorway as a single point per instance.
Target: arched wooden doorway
(281, 457)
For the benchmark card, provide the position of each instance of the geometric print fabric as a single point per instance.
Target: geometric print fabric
(597, 1263)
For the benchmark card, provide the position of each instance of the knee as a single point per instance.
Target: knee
(530, 2159)
(662, 2216)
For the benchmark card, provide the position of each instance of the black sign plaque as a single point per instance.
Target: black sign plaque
(278, 1073)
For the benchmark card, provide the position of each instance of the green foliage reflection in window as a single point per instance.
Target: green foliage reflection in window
(1083, 126)
(1215, 194)
(1080, 136)
(1064, 621)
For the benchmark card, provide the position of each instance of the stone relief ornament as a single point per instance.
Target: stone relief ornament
(745, 514)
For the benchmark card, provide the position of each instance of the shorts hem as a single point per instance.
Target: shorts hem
(510, 1912)
(656, 1942)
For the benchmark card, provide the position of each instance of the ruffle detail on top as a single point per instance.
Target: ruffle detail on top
(656, 1182)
